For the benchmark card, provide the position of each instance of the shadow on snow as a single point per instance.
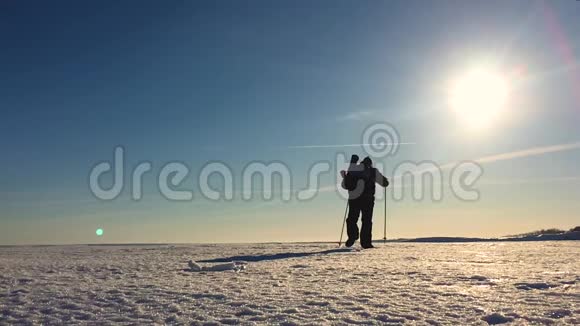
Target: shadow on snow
(286, 255)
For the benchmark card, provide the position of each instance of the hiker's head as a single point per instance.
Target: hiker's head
(367, 162)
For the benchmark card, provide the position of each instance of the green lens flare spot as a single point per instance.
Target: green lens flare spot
(99, 232)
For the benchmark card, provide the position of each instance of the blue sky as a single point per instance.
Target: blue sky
(237, 82)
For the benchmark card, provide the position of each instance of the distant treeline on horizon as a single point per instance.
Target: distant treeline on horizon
(544, 231)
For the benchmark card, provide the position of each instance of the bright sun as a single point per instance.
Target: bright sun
(479, 98)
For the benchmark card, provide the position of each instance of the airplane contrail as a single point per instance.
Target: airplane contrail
(534, 151)
(347, 145)
(529, 152)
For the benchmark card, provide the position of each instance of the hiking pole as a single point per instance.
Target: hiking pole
(385, 213)
(343, 223)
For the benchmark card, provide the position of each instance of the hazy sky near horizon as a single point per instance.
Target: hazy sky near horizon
(244, 81)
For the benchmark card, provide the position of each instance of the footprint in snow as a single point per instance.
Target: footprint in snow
(497, 318)
(533, 286)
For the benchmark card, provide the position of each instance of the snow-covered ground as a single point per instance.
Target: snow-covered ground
(292, 284)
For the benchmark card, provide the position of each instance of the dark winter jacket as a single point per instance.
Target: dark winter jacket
(360, 181)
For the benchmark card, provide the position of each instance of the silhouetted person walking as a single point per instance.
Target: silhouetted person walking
(360, 181)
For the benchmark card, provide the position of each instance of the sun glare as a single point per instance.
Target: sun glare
(479, 97)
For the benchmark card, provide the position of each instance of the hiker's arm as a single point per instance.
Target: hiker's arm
(381, 179)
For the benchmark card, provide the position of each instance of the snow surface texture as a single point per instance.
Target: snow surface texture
(292, 284)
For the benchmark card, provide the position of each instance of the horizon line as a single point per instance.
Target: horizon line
(497, 238)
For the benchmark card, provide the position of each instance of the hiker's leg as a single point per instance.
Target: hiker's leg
(366, 234)
(352, 219)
